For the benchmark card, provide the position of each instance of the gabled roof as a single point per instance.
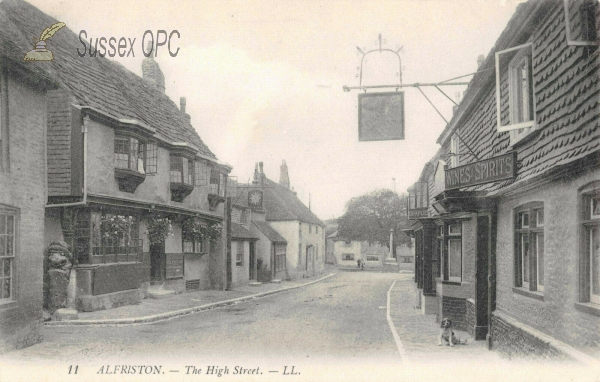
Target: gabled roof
(269, 232)
(239, 232)
(282, 204)
(97, 82)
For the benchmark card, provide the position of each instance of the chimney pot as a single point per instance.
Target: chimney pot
(260, 165)
(284, 178)
(182, 103)
(480, 60)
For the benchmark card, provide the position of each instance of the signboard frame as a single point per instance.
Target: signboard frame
(509, 174)
(362, 131)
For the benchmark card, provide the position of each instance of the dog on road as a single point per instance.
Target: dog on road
(447, 334)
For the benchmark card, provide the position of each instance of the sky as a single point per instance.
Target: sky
(263, 79)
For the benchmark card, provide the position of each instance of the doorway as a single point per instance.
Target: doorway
(157, 263)
(482, 287)
(252, 265)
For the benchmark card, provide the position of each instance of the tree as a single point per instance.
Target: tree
(370, 217)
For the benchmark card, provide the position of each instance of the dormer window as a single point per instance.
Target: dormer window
(129, 161)
(181, 176)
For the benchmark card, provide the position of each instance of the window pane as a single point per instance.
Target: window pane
(595, 208)
(455, 258)
(9, 246)
(140, 160)
(595, 260)
(6, 288)
(2, 224)
(133, 163)
(525, 257)
(2, 246)
(454, 229)
(190, 174)
(524, 219)
(539, 218)
(188, 247)
(176, 169)
(10, 224)
(185, 169)
(151, 157)
(6, 266)
(121, 153)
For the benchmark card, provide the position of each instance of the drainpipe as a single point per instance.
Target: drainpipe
(84, 130)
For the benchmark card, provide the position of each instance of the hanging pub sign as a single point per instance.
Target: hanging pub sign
(381, 116)
(486, 171)
(255, 199)
(418, 200)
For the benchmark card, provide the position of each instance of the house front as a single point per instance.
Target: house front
(509, 240)
(301, 229)
(132, 189)
(23, 107)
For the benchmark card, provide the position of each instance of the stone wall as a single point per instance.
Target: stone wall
(454, 309)
(514, 342)
(470, 316)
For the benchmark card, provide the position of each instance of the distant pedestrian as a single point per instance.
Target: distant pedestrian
(359, 263)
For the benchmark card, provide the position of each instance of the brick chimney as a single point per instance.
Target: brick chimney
(284, 178)
(151, 71)
(480, 60)
(186, 116)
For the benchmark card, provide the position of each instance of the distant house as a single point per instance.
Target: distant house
(124, 162)
(23, 88)
(346, 253)
(298, 247)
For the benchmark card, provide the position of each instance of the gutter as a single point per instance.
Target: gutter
(84, 130)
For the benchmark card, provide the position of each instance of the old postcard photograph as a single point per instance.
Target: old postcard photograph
(319, 190)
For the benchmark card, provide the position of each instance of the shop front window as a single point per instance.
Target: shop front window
(590, 253)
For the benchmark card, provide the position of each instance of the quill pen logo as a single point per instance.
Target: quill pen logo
(40, 53)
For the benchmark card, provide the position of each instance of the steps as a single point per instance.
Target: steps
(159, 293)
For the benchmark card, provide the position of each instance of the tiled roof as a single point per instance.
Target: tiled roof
(281, 203)
(269, 232)
(239, 232)
(97, 82)
(13, 47)
(567, 98)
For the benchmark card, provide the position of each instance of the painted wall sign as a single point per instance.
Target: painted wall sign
(489, 170)
(417, 213)
(380, 116)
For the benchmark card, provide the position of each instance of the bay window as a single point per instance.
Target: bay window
(181, 176)
(129, 154)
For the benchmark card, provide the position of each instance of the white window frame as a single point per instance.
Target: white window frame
(239, 254)
(455, 150)
(534, 233)
(347, 254)
(570, 41)
(521, 129)
(594, 298)
(5, 212)
(455, 236)
(376, 256)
